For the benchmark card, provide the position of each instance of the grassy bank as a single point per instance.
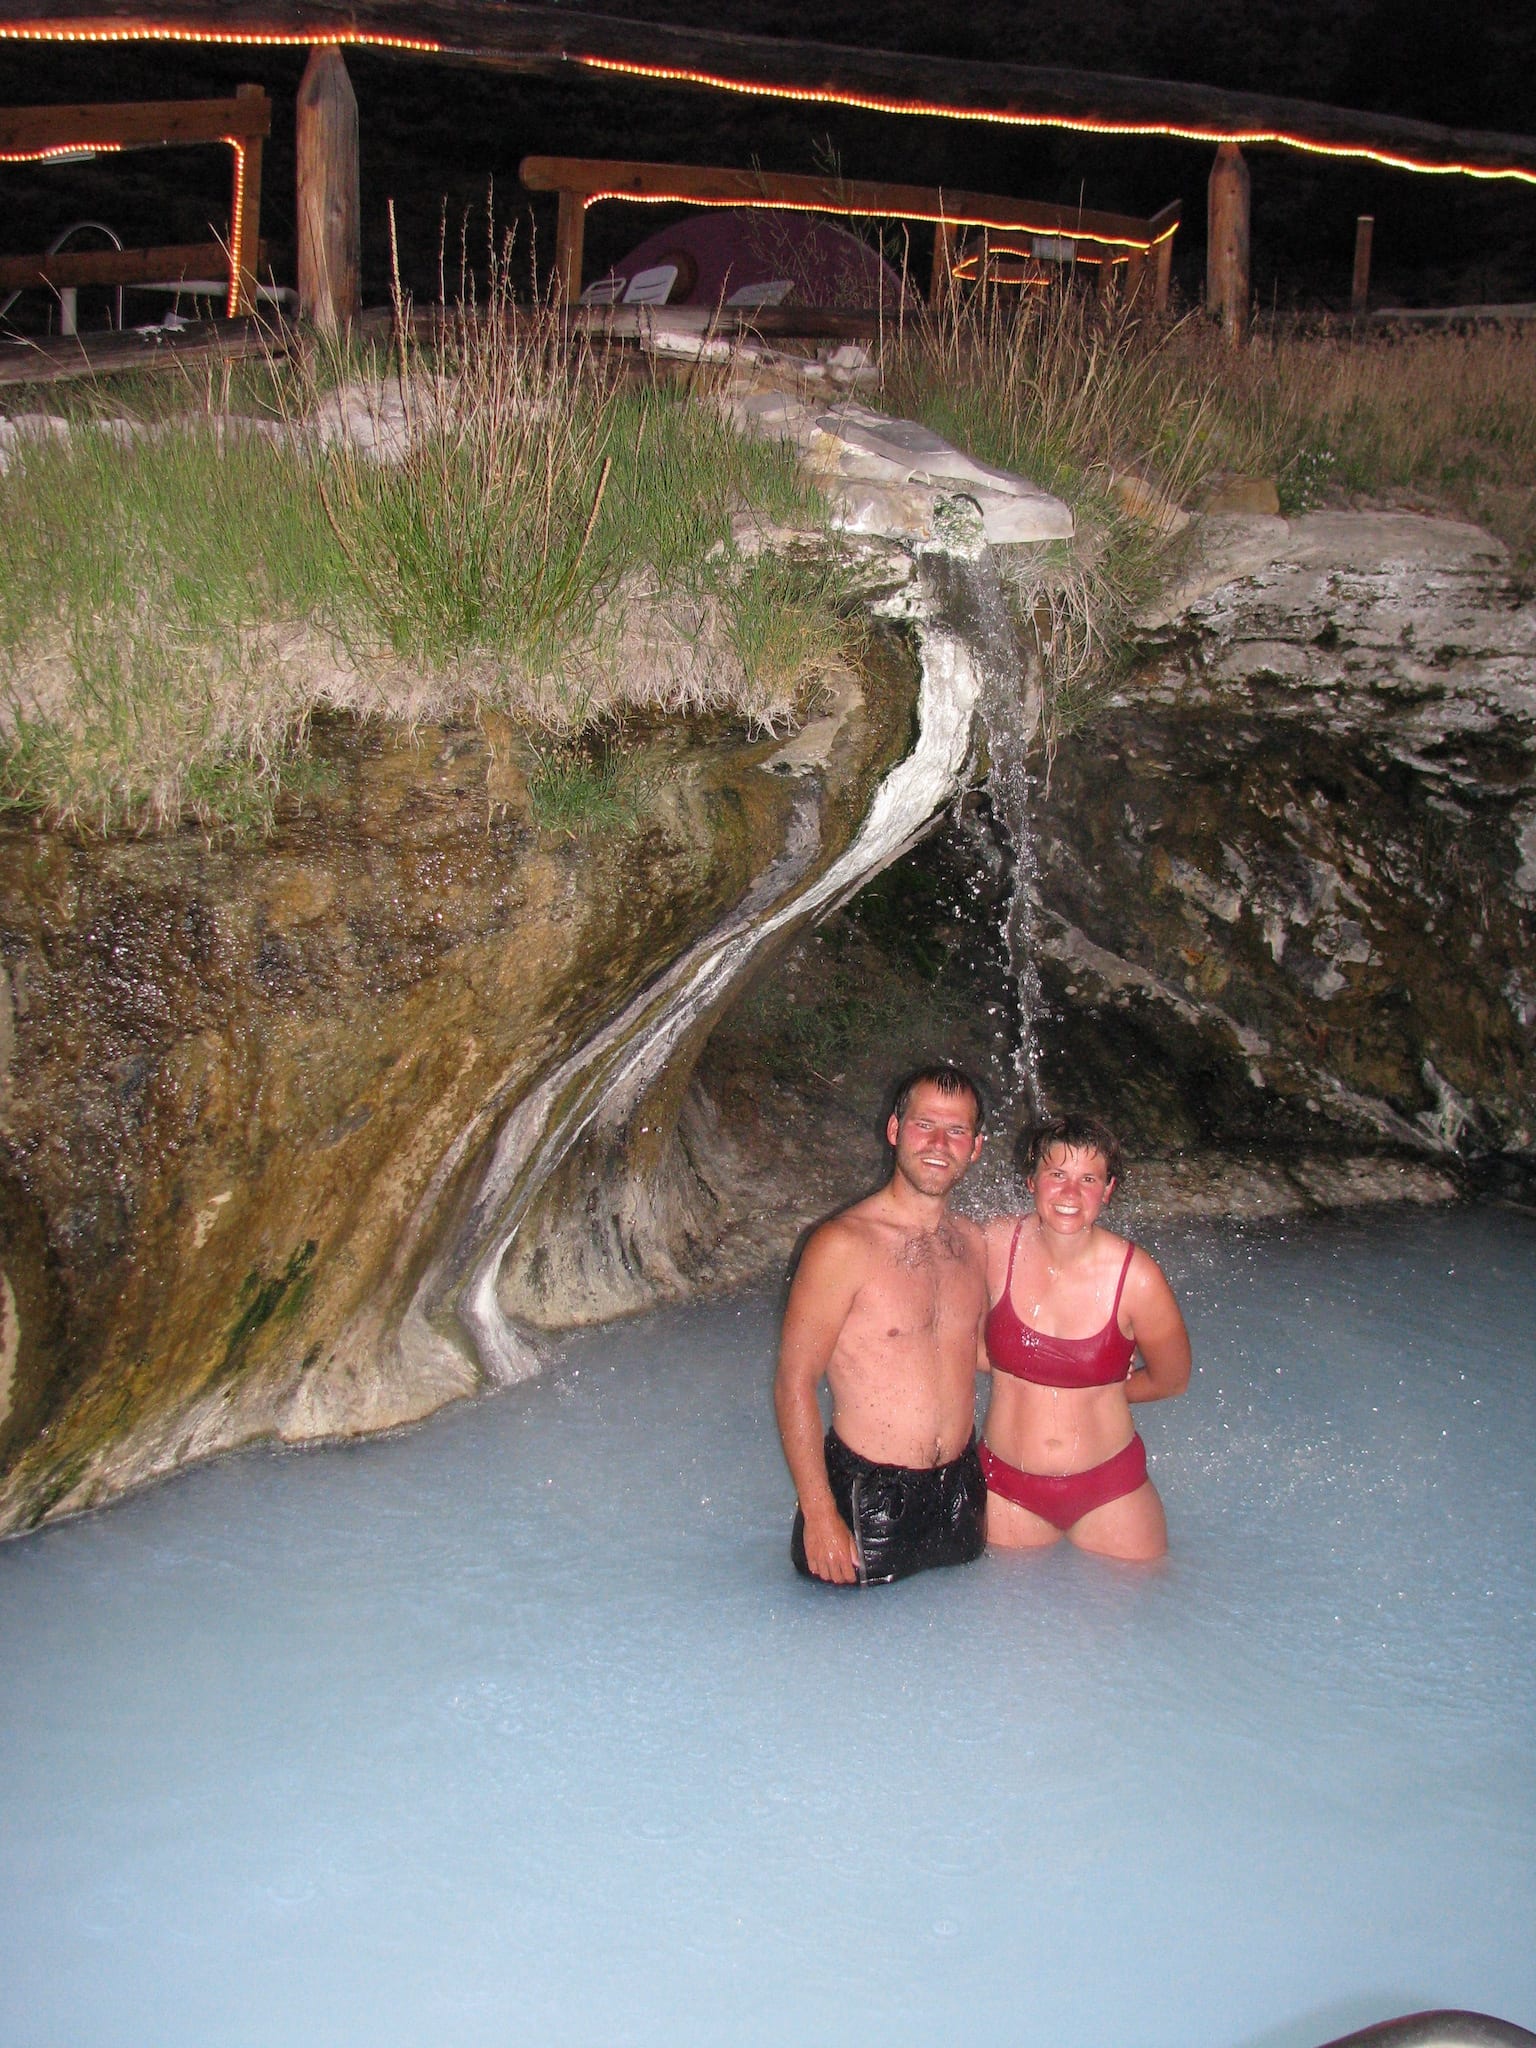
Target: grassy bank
(1096, 409)
(179, 592)
(1446, 420)
(186, 578)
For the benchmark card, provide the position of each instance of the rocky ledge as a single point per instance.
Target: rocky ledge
(1288, 875)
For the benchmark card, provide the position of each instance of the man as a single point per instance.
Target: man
(887, 1305)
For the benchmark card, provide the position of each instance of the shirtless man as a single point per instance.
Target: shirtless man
(887, 1305)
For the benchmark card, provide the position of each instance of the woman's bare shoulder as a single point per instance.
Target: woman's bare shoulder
(1144, 1275)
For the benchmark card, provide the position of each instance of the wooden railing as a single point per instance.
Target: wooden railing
(168, 264)
(1108, 239)
(32, 134)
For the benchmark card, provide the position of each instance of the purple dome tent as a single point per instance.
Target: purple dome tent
(750, 256)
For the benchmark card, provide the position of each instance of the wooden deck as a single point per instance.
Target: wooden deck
(114, 354)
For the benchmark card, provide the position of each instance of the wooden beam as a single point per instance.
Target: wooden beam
(114, 354)
(588, 178)
(501, 34)
(1162, 255)
(245, 207)
(71, 268)
(329, 192)
(1360, 284)
(1227, 242)
(147, 124)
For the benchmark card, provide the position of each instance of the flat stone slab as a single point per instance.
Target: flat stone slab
(851, 441)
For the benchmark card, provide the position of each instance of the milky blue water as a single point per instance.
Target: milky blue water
(518, 1728)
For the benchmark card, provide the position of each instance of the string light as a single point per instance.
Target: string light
(84, 148)
(59, 152)
(670, 74)
(236, 227)
(1083, 124)
(258, 39)
(942, 214)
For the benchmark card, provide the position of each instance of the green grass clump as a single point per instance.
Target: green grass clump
(1074, 400)
(578, 793)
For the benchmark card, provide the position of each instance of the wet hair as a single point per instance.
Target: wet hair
(1073, 1132)
(949, 1080)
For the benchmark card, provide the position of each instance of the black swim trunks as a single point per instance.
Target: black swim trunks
(903, 1519)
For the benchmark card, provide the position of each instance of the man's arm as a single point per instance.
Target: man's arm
(1160, 1335)
(824, 1287)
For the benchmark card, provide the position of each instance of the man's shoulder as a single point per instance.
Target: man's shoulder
(852, 1229)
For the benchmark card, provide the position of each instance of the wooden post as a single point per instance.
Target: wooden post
(329, 193)
(570, 232)
(941, 279)
(1360, 292)
(1135, 273)
(1226, 249)
(245, 212)
(1163, 275)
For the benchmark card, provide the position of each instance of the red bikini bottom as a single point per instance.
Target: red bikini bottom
(1065, 1498)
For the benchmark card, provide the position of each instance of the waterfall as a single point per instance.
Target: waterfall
(974, 600)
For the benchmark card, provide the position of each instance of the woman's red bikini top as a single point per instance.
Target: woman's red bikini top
(1027, 1354)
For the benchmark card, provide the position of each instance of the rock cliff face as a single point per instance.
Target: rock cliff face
(1288, 877)
(249, 1095)
(309, 1137)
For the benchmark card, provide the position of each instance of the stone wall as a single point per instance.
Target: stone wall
(1288, 876)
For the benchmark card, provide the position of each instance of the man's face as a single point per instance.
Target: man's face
(935, 1140)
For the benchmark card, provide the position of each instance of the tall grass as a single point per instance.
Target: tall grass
(1076, 399)
(1451, 417)
(1059, 393)
(178, 595)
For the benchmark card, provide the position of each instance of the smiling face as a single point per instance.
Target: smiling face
(935, 1138)
(1070, 1188)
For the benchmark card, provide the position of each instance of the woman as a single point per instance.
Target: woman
(1072, 1304)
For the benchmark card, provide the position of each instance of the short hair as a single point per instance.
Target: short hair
(1074, 1131)
(948, 1079)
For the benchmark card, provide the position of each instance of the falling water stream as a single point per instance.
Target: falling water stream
(1004, 709)
(519, 1728)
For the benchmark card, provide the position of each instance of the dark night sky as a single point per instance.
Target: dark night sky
(433, 134)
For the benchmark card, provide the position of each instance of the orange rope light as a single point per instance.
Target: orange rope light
(954, 220)
(1083, 124)
(260, 39)
(667, 74)
(58, 149)
(236, 219)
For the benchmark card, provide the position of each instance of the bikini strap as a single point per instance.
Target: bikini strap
(1013, 1246)
(1130, 1253)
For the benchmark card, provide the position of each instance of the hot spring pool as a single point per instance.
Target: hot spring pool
(518, 1728)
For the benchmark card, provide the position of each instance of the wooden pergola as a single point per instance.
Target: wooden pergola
(35, 134)
(1107, 240)
(550, 41)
